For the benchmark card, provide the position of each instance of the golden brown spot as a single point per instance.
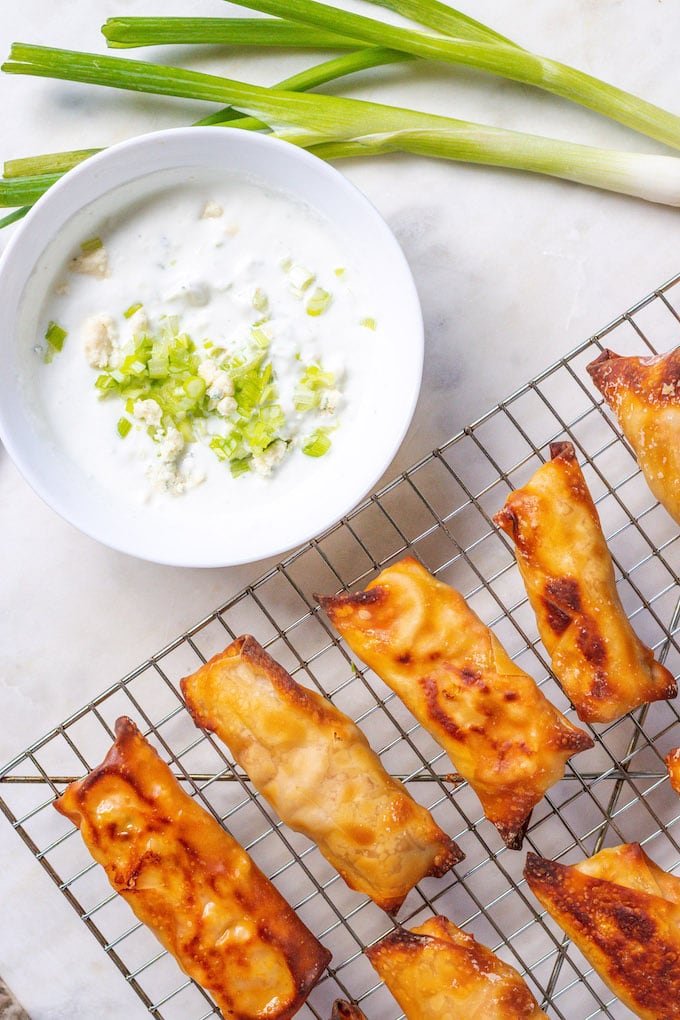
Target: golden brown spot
(634, 924)
(562, 600)
(434, 710)
(591, 644)
(565, 592)
(473, 678)
(557, 619)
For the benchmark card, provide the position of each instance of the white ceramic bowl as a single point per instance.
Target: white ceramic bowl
(266, 522)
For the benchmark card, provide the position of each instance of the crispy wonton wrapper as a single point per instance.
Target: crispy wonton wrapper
(501, 733)
(644, 394)
(192, 884)
(439, 972)
(623, 913)
(316, 769)
(567, 570)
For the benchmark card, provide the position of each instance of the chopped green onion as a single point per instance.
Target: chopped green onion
(368, 322)
(340, 271)
(317, 443)
(311, 386)
(300, 279)
(195, 387)
(261, 336)
(239, 467)
(93, 244)
(161, 367)
(104, 383)
(55, 336)
(123, 427)
(319, 301)
(186, 430)
(129, 312)
(158, 368)
(260, 300)
(306, 400)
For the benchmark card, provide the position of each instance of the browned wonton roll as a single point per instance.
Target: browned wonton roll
(316, 769)
(644, 394)
(439, 972)
(623, 913)
(501, 733)
(567, 570)
(192, 884)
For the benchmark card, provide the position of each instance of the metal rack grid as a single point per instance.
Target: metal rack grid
(440, 511)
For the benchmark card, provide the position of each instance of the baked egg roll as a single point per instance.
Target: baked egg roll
(628, 865)
(192, 884)
(316, 769)
(644, 394)
(623, 913)
(439, 972)
(502, 735)
(603, 667)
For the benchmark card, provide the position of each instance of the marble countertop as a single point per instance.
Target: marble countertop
(512, 270)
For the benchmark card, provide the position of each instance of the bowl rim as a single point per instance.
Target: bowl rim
(86, 184)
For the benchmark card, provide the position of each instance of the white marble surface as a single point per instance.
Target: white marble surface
(512, 271)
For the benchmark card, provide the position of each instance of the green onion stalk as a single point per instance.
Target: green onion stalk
(35, 169)
(335, 127)
(507, 61)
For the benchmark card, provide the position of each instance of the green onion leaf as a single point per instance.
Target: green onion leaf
(123, 427)
(129, 312)
(369, 323)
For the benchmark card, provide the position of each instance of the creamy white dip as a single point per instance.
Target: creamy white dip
(219, 254)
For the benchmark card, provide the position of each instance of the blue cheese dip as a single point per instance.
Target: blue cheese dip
(206, 342)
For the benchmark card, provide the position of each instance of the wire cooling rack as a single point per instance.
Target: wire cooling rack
(440, 511)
